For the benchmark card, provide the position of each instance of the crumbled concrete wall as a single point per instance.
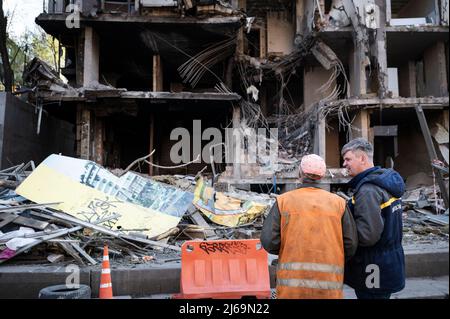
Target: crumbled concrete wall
(314, 78)
(19, 142)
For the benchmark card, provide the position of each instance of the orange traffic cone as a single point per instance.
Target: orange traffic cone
(105, 279)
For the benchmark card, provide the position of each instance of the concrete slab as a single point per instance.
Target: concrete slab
(140, 281)
(427, 260)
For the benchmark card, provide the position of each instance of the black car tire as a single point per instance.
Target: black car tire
(63, 292)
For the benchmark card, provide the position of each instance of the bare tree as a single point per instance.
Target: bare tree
(7, 70)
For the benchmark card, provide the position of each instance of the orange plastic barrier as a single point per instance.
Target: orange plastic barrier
(224, 269)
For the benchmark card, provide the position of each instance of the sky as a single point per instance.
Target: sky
(25, 12)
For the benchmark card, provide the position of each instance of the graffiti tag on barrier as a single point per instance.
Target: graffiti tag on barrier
(235, 248)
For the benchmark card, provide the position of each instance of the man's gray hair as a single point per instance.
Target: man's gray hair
(359, 144)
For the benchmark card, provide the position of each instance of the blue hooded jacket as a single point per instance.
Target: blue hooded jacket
(378, 267)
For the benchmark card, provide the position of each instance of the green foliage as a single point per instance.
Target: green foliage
(30, 45)
(43, 46)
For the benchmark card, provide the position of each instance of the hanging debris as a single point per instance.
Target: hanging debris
(194, 69)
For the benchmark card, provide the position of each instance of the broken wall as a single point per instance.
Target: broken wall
(436, 82)
(19, 142)
(280, 34)
(314, 78)
(183, 115)
(412, 151)
(333, 156)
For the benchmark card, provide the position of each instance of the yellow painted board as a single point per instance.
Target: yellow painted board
(46, 185)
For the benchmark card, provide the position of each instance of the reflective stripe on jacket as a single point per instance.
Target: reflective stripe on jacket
(311, 259)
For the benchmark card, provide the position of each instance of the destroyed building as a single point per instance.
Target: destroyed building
(321, 72)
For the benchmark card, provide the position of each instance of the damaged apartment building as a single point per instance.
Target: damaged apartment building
(321, 71)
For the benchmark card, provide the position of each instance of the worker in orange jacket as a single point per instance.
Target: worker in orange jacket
(313, 232)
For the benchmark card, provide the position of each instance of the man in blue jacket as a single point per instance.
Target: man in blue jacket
(378, 267)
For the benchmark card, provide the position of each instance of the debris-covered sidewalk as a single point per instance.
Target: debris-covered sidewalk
(68, 208)
(425, 218)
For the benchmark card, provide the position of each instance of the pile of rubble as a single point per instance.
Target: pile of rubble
(425, 220)
(67, 209)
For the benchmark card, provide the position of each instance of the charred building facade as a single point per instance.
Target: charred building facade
(320, 71)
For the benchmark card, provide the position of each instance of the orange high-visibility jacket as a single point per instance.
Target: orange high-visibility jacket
(311, 258)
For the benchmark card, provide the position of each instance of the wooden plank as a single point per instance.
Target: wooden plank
(24, 221)
(83, 253)
(29, 222)
(53, 235)
(157, 74)
(106, 231)
(198, 219)
(171, 232)
(9, 184)
(68, 248)
(72, 252)
(6, 219)
(24, 207)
